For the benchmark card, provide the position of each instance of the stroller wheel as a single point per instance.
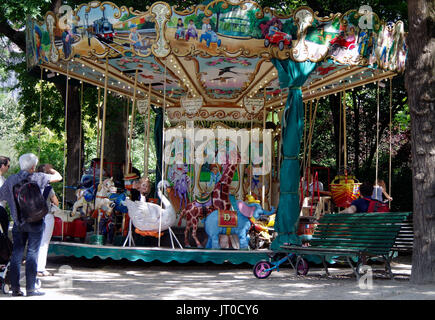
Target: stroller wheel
(5, 288)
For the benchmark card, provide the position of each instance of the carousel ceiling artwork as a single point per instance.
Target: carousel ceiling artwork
(219, 51)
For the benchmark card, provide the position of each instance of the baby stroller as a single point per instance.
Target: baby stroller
(5, 255)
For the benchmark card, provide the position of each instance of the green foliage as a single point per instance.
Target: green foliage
(10, 129)
(48, 147)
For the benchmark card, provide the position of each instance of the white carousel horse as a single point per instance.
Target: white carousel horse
(101, 198)
(145, 216)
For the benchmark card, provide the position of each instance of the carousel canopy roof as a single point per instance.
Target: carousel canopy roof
(219, 51)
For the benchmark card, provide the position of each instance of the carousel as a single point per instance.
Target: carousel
(230, 83)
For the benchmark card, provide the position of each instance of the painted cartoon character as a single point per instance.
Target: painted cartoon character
(210, 37)
(276, 36)
(343, 41)
(191, 31)
(386, 44)
(181, 182)
(215, 175)
(205, 25)
(134, 36)
(364, 43)
(40, 53)
(137, 42)
(67, 40)
(273, 28)
(179, 34)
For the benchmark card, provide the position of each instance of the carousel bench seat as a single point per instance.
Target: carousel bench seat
(359, 235)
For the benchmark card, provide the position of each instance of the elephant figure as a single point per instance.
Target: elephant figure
(245, 212)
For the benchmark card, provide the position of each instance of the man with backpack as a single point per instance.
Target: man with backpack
(365, 203)
(27, 209)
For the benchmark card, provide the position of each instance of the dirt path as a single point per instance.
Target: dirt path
(96, 279)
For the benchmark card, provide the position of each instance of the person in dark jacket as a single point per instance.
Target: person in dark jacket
(22, 232)
(361, 205)
(4, 217)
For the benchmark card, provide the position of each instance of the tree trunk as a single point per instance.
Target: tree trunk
(420, 85)
(74, 151)
(115, 136)
(334, 102)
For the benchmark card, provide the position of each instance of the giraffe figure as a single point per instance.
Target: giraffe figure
(220, 199)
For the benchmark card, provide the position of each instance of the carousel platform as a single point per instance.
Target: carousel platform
(162, 254)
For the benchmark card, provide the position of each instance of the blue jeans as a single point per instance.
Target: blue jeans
(33, 240)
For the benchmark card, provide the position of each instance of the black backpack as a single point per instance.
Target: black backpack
(31, 205)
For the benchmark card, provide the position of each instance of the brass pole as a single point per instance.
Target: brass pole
(103, 130)
(132, 123)
(148, 132)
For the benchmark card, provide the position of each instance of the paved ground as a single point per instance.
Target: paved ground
(96, 279)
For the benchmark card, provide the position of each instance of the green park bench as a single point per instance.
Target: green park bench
(361, 235)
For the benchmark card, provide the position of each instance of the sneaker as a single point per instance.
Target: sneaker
(35, 293)
(44, 273)
(18, 293)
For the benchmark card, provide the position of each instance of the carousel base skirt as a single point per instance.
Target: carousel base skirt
(162, 254)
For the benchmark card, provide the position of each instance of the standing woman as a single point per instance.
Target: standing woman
(4, 217)
(51, 198)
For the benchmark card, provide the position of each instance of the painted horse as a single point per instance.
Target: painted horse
(86, 199)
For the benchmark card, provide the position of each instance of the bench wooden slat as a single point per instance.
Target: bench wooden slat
(345, 242)
(378, 228)
(355, 231)
(371, 215)
(362, 238)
